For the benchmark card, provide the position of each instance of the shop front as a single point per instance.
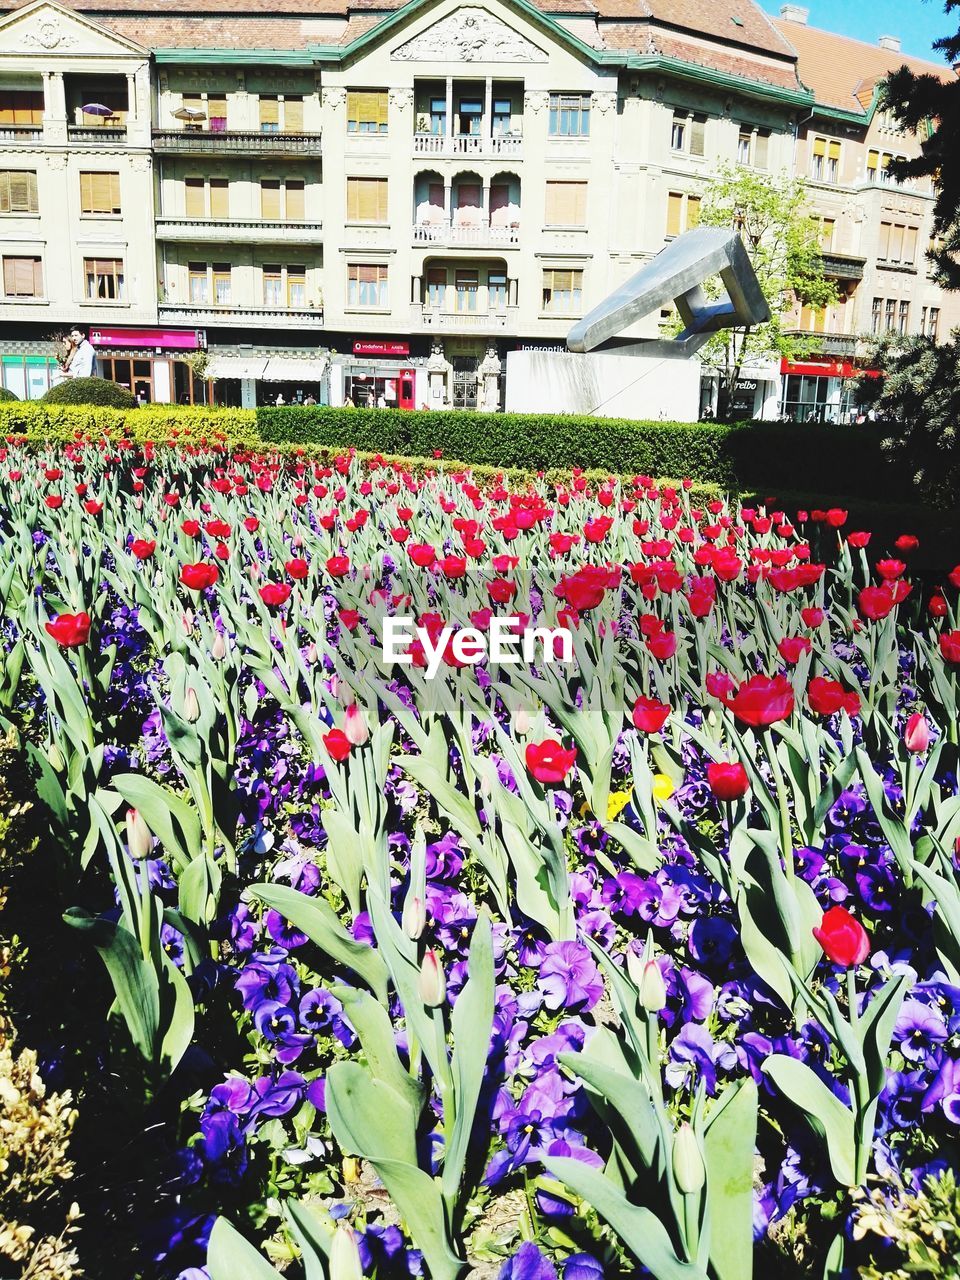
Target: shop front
(820, 390)
(251, 381)
(378, 374)
(158, 366)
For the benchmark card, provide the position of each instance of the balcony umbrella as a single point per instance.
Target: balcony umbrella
(189, 113)
(97, 109)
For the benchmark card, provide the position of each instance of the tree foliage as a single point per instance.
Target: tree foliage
(782, 240)
(930, 107)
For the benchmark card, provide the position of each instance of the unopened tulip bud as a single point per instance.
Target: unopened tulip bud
(298, 539)
(310, 656)
(55, 756)
(366, 573)
(191, 706)
(355, 726)
(521, 721)
(218, 650)
(413, 918)
(433, 981)
(345, 1263)
(653, 989)
(688, 1168)
(139, 839)
(916, 735)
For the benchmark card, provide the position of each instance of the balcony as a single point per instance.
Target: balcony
(22, 135)
(196, 142)
(455, 146)
(466, 235)
(503, 321)
(842, 266)
(106, 135)
(238, 230)
(828, 344)
(199, 315)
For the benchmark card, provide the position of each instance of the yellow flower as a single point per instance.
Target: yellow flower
(663, 787)
(351, 1169)
(616, 803)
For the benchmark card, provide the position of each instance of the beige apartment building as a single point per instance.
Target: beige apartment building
(336, 198)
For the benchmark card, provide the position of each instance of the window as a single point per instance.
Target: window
(221, 284)
(269, 114)
(813, 319)
(825, 229)
(367, 112)
(21, 107)
(903, 323)
(878, 166)
(470, 117)
(436, 286)
(366, 200)
(467, 287)
(562, 291)
(18, 191)
(910, 235)
(502, 116)
(100, 193)
(270, 199)
(890, 315)
(22, 278)
(367, 285)
(569, 115)
(744, 146)
(566, 204)
(933, 323)
(195, 199)
(825, 160)
(219, 198)
(683, 213)
(688, 133)
(104, 279)
(272, 286)
(199, 283)
(217, 113)
(297, 288)
(438, 116)
(496, 290)
(876, 315)
(753, 147)
(293, 114)
(897, 243)
(294, 199)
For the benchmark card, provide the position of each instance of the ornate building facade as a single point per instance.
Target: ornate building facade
(353, 198)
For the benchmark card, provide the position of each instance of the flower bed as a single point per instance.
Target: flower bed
(416, 965)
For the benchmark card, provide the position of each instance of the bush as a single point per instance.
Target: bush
(98, 391)
(5, 394)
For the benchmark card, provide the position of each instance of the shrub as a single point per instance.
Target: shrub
(6, 394)
(99, 391)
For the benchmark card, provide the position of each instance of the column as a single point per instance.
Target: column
(449, 120)
(417, 291)
(512, 284)
(54, 107)
(447, 202)
(132, 111)
(487, 127)
(485, 203)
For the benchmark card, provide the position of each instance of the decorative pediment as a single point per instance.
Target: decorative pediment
(47, 30)
(469, 35)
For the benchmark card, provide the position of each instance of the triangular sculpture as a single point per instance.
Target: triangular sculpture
(677, 274)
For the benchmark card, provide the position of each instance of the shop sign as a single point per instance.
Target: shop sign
(167, 339)
(381, 348)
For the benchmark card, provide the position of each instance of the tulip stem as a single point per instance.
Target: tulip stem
(783, 804)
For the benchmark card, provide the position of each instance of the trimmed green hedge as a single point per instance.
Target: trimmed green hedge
(764, 456)
(93, 391)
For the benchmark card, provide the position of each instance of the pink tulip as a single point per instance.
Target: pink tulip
(355, 726)
(916, 735)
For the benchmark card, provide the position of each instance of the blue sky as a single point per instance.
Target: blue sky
(917, 22)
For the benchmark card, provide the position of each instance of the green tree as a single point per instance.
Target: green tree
(783, 242)
(930, 107)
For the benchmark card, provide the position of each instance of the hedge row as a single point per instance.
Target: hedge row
(771, 456)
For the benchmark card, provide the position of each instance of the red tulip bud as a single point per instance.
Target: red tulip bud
(433, 981)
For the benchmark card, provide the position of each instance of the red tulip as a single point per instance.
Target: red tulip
(549, 762)
(297, 568)
(719, 684)
(70, 630)
(349, 617)
(199, 576)
(950, 647)
(844, 940)
(762, 701)
(338, 745)
(251, 524)
(649, 715)
(907, 542)
(937, 606)
(275, 593)
(728, 782)
(890, 569)
(876, 602)
(954, 576)
(836, 517)
(53, 501)
(92, 507)
(858, 540)
(338, 566)
(191, 528)
(143, 548)
(662, 645)
(422, 554)
(916, 733)
(792, 648)
(812, 617)
(826, 697)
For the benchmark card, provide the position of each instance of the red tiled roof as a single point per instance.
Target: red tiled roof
(843, 72)
(735, 21)
(650, 41)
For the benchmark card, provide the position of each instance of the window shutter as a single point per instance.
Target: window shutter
(293, 115)
(834, 151)
(382, 111)
(761, 150)
(270, 199)
(819, 146)
(693, 212)
(353, 107)
(910, 245)
(269, 111)
(367, 199)
(873, 159)
(219, 198)
(18, 191)
(217, 112)
(698, 131)
(566, 204)
(896, 243)
(884, 249)
(193, 198)
(22, 277)
(295, 206)
(674, 213)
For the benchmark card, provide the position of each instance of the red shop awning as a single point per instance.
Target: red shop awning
(827, 369)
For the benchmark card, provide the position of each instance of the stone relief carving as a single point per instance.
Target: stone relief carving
(56, 160)
(401, 99)
(48, 34)
(535, 100)
(604, 102)
(334, 98)
(469, 35)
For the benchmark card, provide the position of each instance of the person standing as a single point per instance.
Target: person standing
(83, 362)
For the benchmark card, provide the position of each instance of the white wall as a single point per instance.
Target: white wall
(609, 386)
